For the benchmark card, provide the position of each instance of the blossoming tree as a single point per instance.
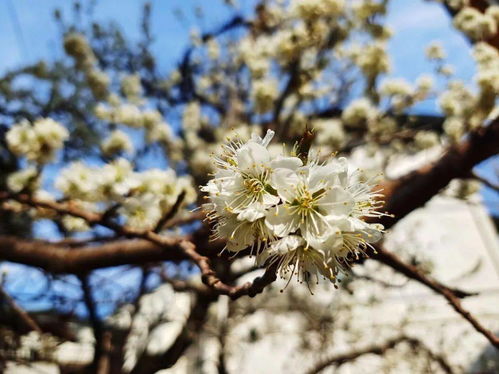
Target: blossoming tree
(241, 152)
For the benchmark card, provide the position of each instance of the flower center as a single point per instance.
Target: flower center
(253, 186)
(306, 201)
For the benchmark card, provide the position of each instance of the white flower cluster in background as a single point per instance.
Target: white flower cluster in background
(308, 217)
(359, 113)
(312, 9)
(487, 58)
(77, 46)
(117, 142)
(130, 115)
(475, 24)
(37, 142)
(144, 197)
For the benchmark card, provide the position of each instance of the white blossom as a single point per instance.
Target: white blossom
(74, 224)
(117, 142)
(394, 87)
(142, 212)
(475, 24)
(24, 179)
(264, 92)
(131, 87)
(426, 139)
(307, 217)
(311, 9)
(359, 112)
(435, 51)
(39, 141)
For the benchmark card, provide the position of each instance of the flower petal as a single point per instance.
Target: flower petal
(285, 182)
(280, 221)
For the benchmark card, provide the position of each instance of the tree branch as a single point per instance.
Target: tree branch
(171, 213)
(102, 346)
(148, 364)
(180, 246)
(412, 272)
(451, 295)
(415, 189)
(338, 360)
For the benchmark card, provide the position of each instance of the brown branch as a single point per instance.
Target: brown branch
(58, 259)
(29, 323)
(451, 295)
(149, 364)
(179, 246)
(415, 189)
(102, 346)
(234, 292)
(186, 219)
(338, 360)
(412, 272)
(171, 213)
(379, 281)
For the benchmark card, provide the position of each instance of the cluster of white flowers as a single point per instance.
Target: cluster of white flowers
(359, 113)
(475, 24)
(255, 54)
(213, 49)
(457, 101)
(372, 59)
(117, 142)
(305, 217)
(330, 133)
(366, 9)
(124, 113)
(290, 44)
(311, 9)
(426, 139)
(457, 4)
(493, 11)
(454, 128)
(132, 88)
(24, 179)
(424, 84)
(98, 81)
(37, 142)
(76, 45)
(143, 196)
(396, 87)
(435, 51)
(156, 129)
(400, 93)
(264, 93)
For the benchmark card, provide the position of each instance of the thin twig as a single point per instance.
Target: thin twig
(171, 213)
(485, 181)
(100, 363)
(451, 295)
(29, 323)
(340, 359)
